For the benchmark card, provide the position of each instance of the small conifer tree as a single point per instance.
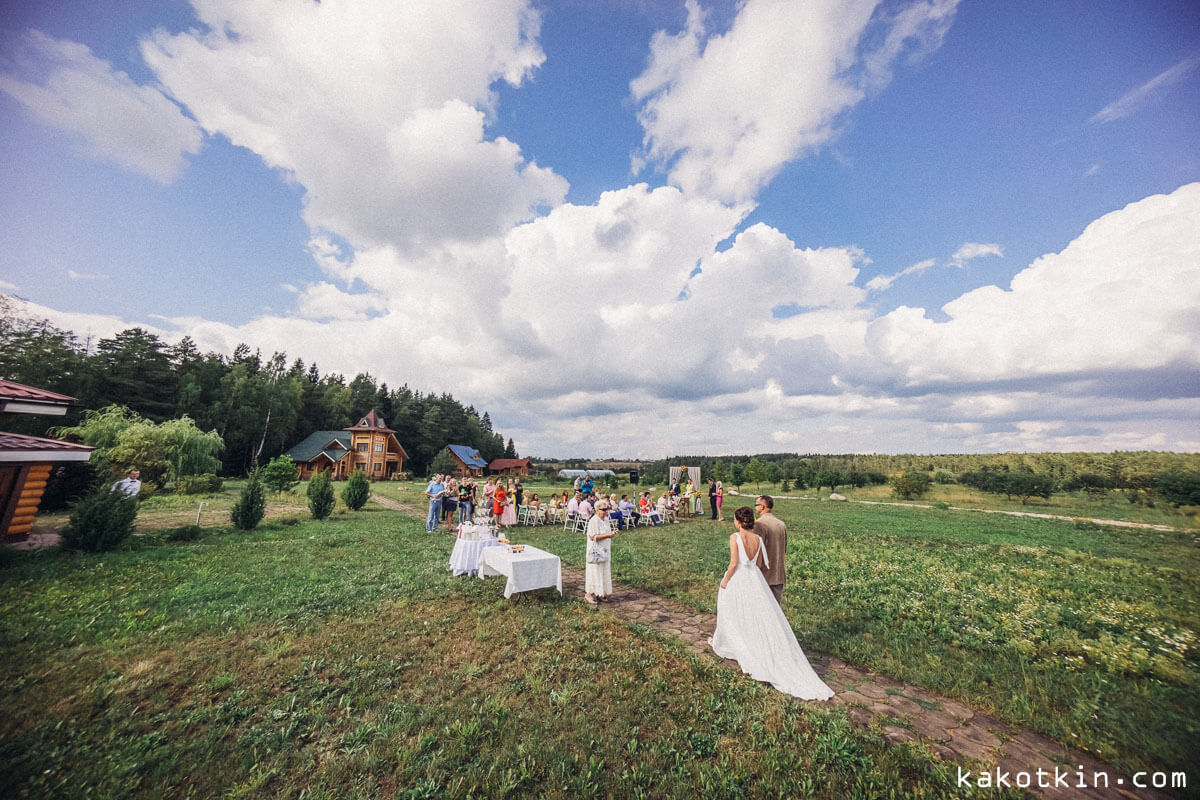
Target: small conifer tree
(320, 495)
(251, 504)
(357, 490)
(101, 521)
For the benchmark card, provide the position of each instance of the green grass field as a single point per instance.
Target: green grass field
(338, 659)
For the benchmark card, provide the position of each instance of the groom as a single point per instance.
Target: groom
(774, 535)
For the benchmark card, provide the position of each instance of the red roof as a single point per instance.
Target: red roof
(11, 390)
(371, 421)
(15, 447)
(508, 463)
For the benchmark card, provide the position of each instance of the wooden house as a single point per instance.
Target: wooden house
(26, 461)
(369, 445)
(467, 460)
(509, 466)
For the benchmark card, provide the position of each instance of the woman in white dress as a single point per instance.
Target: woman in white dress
(597, 577)
(751, 627)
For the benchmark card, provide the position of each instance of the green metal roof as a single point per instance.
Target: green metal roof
(319, 442)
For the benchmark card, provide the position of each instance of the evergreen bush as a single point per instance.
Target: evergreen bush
(280, 474)
(320, 495)
(99, 522)
(251, 504)
(357, 490)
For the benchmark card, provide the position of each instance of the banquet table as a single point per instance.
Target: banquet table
(529, 569)
(464, 558)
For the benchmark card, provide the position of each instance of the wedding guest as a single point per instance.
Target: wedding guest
(508, 514)
(130, 485)
(499, 501)
(627, 511)
(720, 499)
(712, 496)
(449, 498)
(434, 492)
(464, 501)
(597, 579)
(489, 492)
(615, 510)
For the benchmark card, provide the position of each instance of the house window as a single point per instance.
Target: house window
(377, 466)
(379, 447)
(362, 447)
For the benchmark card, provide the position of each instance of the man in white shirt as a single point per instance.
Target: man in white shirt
(434, 492)
(585, 508)
(573, 507)
(130, 485)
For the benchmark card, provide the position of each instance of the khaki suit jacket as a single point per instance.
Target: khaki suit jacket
(774, 535)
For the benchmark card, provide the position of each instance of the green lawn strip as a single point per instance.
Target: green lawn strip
(1089, 637)
(433, 687)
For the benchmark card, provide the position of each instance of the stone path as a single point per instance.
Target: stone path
(899, 712)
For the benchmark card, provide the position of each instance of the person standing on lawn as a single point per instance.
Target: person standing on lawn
(712, 496)
(774, 535)
(434, 492)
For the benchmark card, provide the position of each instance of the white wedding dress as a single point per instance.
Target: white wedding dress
(752, 630)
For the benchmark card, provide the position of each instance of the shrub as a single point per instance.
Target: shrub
(208, 483)
(943, 477)
(1021, 484)
(320, 495)
(100, 521)
(251, 504)
(1180, 487)
(357, 491)
(280, 474)
(185, 533)
(910, 484)
(1029, 484)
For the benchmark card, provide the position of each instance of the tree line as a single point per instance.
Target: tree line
(258, 405)
(1140, 475)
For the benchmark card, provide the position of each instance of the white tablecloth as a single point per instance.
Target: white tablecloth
(464, 558)
(530, 569)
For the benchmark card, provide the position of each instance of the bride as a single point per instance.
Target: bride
(751, 627)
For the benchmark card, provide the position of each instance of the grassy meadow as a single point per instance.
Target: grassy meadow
(339, 659)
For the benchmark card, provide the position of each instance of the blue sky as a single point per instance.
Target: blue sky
(638, 228)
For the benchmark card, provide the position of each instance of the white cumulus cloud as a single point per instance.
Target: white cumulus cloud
(376, 108)
(1124, 294)
(117, 120)
(723, 113)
